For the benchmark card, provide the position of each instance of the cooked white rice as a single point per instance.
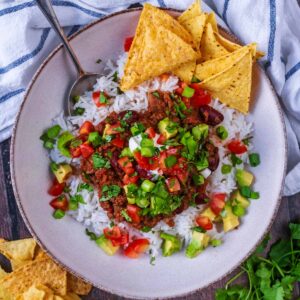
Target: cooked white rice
(91, 214)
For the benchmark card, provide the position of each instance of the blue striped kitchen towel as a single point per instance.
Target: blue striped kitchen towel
(25, 41)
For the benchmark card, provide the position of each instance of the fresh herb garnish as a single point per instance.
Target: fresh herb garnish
(137, 128)
(235, 160)
(78, 111)
(91, 234)
(271, 277)
(98, 61)
(195, 79)
(226, 169)
(170, 161)
(54, 166)
(100, 161)
(110, 191)
(115, 77)
(103, 99)
(222, 132)
(156, 94)
(85, 186)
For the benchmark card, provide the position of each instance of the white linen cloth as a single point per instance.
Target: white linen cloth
(26, 39)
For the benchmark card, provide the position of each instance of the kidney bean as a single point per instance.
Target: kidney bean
(200, 198)
(213, 156)
(143, 173)
(210, 116)
(114, 163)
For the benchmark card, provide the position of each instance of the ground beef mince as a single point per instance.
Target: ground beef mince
(160, 181)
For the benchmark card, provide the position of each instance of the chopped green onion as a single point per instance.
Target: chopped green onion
(54, 166)
(170, 161)
(238, 210)
(58, 214)
(198, 179)
(49, 144)
(156, 94)
(254, 195)
(147, 142)
(222, 133)
(103, 99)
(126, 216)
(195, 79)
(75, 98)
(53, 131)
(126, 152)
(254, 159)
(147, 185)
(245, 191)
(148, 151)
(95, 138)
(226, 169)
(200, 131)
(198, 229)
(188, 92)
(142, 202)
(73, 205)
(216, 242)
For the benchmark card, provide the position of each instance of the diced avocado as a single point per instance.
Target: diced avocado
(209, 213)
(230, 220)
(62, 172)
(244, 178)
(62, 143)
(171, 244)
(198, 243)
(106, 245)
(130, 200)
(236, 196)
(200, 132)
(167, 128)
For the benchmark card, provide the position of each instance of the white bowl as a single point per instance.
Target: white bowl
(65, 239)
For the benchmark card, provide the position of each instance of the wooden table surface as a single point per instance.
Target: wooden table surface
(12, 226)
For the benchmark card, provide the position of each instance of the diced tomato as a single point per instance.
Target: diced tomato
(96, 98)
(151, 132)
(133, 212)
(60, 202)
(86, 128)
(204, 222)
(145, 162)
(127, 179)
(56, 189)
(181, 87)
(127, 43)
(117, 236)
(126, 165)
(182, 175)
(173, 184)
(201, 97)
(86, 150)
(112, 129)
(217, 203)
(75, 152)
(237, 147)
(136, 248)
(118, 142)
(161, 140)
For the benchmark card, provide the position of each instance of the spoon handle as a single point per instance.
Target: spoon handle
(48, 11)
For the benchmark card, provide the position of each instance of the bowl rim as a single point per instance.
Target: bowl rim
(13, 172)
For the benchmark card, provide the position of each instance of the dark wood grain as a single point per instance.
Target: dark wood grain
(13, 227)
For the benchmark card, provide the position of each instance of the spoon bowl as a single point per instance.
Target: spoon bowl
(85, 80)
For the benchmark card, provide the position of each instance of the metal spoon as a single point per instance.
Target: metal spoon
(85, 80)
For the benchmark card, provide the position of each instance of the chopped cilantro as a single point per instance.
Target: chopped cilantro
(100, 161)
(110, 191)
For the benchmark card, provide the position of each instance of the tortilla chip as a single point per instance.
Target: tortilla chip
(40, 254)
(69, 296)
(157, 17)
(18, 252)
(233, 85)
(211, 19)
(193, 11)
(195, 27)
(161, 52)
(210, 48)
(217, 65)
(77, 285)
(231, 46)
(42, 271)
(38, 292)
(186, 71)
(2, 273)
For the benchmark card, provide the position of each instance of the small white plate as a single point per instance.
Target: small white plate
(65, 239)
